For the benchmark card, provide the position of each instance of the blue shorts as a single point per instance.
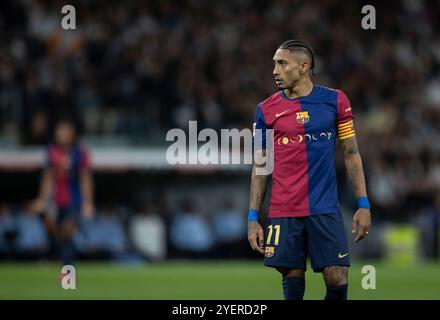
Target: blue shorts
(67, 214)
(288, 242)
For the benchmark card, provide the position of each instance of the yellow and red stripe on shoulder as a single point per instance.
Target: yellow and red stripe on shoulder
(346, 130)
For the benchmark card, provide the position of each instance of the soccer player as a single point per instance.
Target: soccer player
(67, 180)
(304, 216)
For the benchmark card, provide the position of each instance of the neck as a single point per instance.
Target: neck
(301, 89)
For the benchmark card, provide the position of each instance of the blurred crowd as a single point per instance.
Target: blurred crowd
(136, 69)
(118, 233)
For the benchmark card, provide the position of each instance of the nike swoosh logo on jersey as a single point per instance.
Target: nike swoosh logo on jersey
(280, 114)
(340, 256)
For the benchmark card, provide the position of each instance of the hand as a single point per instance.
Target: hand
(88, 210)
(256, 236)
(361, 223)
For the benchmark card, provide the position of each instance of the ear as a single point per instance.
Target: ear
(304, 67)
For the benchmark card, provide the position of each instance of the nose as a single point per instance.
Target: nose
(275, 71)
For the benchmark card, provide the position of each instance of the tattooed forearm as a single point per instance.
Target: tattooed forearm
(353, 176)
(353, 163)
(258, 190)
(350, 149)
(258, 183)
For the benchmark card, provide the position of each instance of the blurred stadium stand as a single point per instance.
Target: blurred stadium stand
(133, 70)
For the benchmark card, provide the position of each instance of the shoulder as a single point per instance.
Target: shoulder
(326, 93)
(333, 96)
(85, 153)
(271, 101)
(84, 148)
(52, 149)
(331, 93)
(80, 151)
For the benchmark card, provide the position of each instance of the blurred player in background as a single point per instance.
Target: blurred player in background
(304, 215)
(67, 181)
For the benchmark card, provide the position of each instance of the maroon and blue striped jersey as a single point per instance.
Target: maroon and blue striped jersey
(304, 137)
(66, 166)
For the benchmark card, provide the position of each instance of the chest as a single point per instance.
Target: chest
(64, 161)
(304, 118)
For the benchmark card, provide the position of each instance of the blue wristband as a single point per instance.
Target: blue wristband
(363, 203)
(252, 215)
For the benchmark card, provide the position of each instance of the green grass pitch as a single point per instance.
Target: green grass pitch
(205, 280)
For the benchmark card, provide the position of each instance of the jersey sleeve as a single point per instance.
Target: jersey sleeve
(48, 162)
(344, 123)
(84, 162)
(259, 129)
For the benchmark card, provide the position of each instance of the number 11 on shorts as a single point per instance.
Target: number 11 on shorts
(277, 234)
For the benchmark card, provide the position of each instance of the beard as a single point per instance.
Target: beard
(281, 85)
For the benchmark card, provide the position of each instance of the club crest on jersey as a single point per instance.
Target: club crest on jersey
(269, 252)
(302, 117)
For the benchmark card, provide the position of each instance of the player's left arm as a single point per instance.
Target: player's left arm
(355, 172)
(353, 163)
(87, 186)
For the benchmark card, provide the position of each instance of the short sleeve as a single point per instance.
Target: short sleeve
(48, 161)
(344, 121)
(259, 129)
(85, 159)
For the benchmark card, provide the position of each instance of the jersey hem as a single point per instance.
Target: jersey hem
(305, 213)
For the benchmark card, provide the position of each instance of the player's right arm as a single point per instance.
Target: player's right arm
(258, 182)
(87, 186)
(257, 195)
(45, 190)
(46, 184)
